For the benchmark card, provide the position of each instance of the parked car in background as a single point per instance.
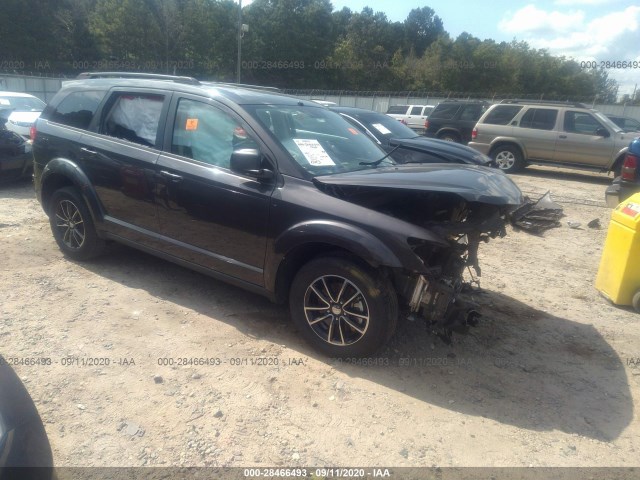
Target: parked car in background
(19, 111)
(403, 143)
(627, 124)
(628, 182)
(453, 120)
(413, 116)
(16, 158)
(271, 193)
(516, 133)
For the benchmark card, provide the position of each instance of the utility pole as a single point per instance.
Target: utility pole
(239, 40)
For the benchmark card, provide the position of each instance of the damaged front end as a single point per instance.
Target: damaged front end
(462, 208)
(440, 296)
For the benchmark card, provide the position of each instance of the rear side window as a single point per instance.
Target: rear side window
(135, 117)
(539, 118)
(416, 111)
(445, 111)
(502, 114)
(397, 109)
(77, 109)
(472, 112)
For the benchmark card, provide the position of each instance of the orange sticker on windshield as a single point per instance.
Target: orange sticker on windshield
(353, 131)
(192, 124)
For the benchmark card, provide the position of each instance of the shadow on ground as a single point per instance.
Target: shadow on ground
(521, 366)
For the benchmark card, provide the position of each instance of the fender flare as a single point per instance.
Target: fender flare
(65, 168)
(344, 236)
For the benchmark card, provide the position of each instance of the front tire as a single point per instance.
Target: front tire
(72, 225)
(508, 159)
(343, 309)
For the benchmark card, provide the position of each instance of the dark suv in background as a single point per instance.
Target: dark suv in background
(275, 194)
(453, 120)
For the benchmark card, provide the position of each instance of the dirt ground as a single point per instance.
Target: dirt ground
(548, 378)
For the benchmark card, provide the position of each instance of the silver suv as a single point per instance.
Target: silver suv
(516, 133)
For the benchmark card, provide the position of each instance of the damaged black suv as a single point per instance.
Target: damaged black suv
(275, 194)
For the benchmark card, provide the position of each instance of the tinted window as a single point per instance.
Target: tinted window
(581, 122)
(539, 118)
(445, 111)
(384, 126)
(207, 134)
(397, 109)
(502, 115)
(472, 112)
(416, 111)
(135, 117)
(77, 109)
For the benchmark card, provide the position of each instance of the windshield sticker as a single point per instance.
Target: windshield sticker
(353, 131)
(382, 129)
(314, 153)
(192, 124)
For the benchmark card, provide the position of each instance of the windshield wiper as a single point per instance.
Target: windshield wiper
(379, 161)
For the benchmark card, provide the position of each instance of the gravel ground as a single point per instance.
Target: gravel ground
(550, 377)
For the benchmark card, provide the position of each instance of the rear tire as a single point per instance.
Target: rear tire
(342, 308)
(72, 225)
(449, 137)
(508, 158)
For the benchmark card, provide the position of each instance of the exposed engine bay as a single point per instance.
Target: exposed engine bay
(439, 295)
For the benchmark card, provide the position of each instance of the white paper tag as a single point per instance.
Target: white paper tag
(313, 152)
(381, 128)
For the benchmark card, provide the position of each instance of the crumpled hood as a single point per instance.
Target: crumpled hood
(472, 183)
(452, 150)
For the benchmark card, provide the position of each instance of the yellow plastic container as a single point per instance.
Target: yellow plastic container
(619, 273)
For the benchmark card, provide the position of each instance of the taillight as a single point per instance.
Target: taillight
(33, 132)
(474, 134)
(629, 167)
(426, 124)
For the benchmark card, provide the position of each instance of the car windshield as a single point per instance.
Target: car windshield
(385, 126)
(319, 140)
(22, 104)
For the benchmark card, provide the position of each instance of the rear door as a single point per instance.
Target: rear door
(415, 120)
(120, 159)
(208, 214)
(469, 116)
(537, 132)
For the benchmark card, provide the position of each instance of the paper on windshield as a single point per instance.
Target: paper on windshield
(381, 128)
(313, 152)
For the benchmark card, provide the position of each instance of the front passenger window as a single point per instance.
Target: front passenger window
(207, 134)
(580, 122)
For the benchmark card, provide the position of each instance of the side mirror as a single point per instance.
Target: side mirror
(603, 132)
(249, 162)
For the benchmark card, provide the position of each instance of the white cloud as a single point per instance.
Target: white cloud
(531, 19)
(583, 2)
(610, 37)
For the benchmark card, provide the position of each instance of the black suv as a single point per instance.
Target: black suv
(275, 194)
(453, 120)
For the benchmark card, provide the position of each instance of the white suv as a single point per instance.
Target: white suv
(516, 133)
(19, 111)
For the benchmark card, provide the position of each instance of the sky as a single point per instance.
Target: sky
(586, 30)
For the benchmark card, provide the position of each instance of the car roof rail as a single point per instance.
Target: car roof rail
(545, 102)
(140, 76)
(241, 85)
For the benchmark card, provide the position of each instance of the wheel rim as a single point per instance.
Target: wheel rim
(336, 310)
(505, 159)
(448, 139)
(70, 224)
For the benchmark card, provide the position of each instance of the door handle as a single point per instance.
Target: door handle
(89, 151)
(171, 176)
(562, 136)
